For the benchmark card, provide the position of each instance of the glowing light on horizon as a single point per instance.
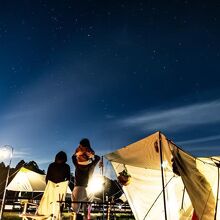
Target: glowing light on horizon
(5, 152)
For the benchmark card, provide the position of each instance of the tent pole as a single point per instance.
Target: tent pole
(103, 191)
(183, 197)
(161, 167)
(216, 206)
(156, 199)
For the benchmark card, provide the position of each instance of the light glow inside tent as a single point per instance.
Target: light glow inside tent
(95, 184)
(165, 164)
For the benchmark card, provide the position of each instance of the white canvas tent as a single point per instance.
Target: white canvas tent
(27, 181)
(155, 192)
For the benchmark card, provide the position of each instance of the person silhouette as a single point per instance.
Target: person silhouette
(84, 160)
(59, 170)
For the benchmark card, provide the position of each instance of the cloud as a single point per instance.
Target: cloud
(18, 114)
(17, 156)
(204, 149)
(200, 140)
(202, 146)
(175, 119)
(109, 116)
(22, 153)
(43, 162)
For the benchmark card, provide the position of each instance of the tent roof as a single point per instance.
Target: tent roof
(27, 181)
(143, 153)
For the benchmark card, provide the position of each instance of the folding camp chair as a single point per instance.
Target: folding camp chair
(50, 203)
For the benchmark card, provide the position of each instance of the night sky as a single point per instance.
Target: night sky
(111, 71)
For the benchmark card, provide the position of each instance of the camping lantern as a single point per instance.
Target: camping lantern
(124, 178)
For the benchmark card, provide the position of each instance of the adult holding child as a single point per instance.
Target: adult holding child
(84, 160)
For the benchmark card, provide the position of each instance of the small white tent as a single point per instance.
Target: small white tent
(27, 181)
(155, 192)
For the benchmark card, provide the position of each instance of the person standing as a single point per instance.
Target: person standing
(59, 170)
(58, 173)
(84, 160)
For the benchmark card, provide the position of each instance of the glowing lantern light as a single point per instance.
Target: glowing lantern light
(96, 184)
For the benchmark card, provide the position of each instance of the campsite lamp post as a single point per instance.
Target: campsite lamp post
(6, 152)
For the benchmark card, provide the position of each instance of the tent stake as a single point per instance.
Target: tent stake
(161, 167)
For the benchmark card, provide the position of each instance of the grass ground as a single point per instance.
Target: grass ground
(10, 216)
(14, 216)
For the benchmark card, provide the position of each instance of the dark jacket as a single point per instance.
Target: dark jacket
(58, 172)
(84, 172)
